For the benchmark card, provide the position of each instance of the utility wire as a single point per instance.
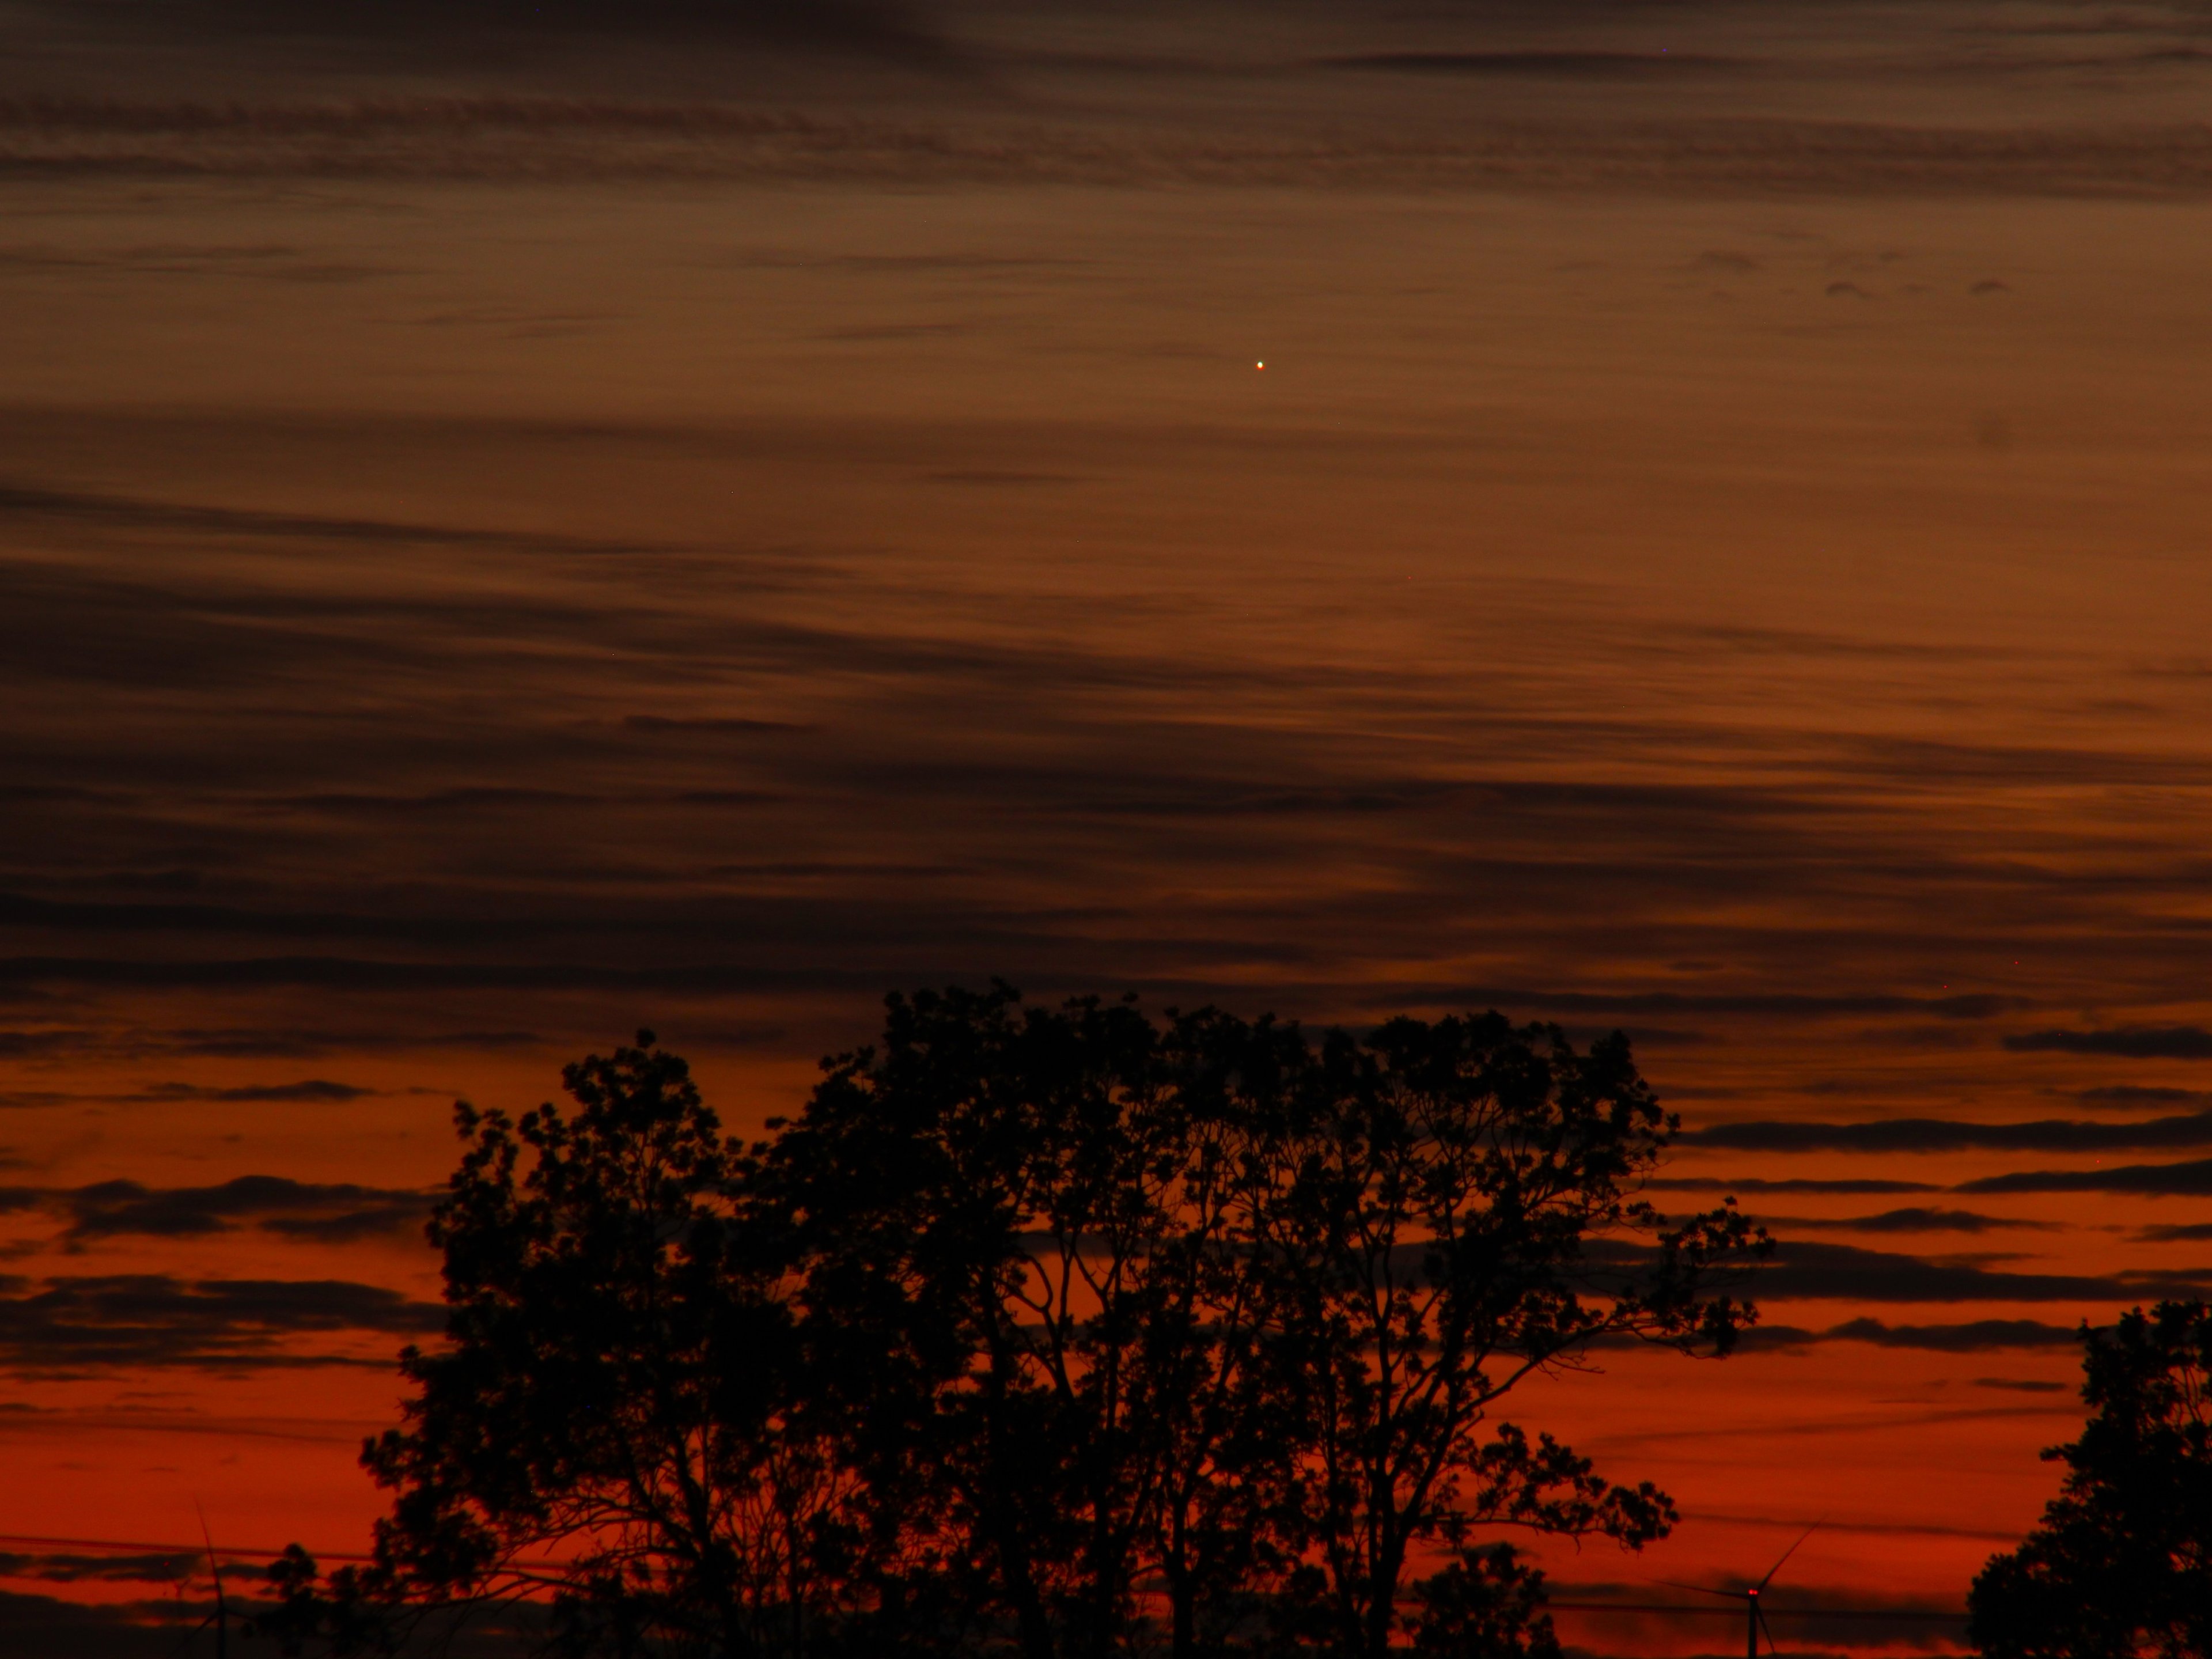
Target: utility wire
(161, 1549)
(1677, 1608)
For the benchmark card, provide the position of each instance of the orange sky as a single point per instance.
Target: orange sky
(507, 538)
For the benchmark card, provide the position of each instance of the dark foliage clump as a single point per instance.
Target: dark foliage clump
(1060, 1334)
(2121, 1566)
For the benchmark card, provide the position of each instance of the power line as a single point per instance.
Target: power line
(115, 1544)
(1676, 1609)
(1683, 1608)
(230, 1551)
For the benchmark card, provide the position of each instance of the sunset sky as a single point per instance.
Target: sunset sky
(520, 522)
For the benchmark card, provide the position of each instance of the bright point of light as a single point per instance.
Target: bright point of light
(1258, 365)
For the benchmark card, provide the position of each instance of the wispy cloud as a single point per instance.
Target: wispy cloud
(2190, 1179)
(71, 1325)
(2134, 1097)
(312, 1091)
(1974, 1336)
(403, 32)
(2133, 1042)
(66, 1567)
(1846, 1185)
(1971, 1336)
(1540, 65)
(1908, 1220)
(302, 1210)
(1804, 1270)
(2191, 1232)
(1925, 1134)
(517, 139)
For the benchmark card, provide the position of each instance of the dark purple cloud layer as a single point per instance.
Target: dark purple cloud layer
(2193, 1179)
(2132, 1041)
(70, 1326)
(1922, 1134)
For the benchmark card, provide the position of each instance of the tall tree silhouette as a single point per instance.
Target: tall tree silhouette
(1230, 1304)
(617, 1417)
(2121, 1566)
(980, 1201)
(1437, 1191)
(1030, 1320)
(1228, 1435)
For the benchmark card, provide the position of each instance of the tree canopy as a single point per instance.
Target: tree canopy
(1037, 1331)
(2121, 1566)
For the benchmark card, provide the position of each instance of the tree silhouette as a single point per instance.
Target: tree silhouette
(1435, 1190)
(1488, 1602)
(2122, 1564)
(1033, 1324)
(617, 1419)
(976, 1201)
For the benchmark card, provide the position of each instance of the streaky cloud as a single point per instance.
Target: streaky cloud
(65, 1567)
(79, 1326)
(305, 1210)
(882, 28)
(511, 137)
(1910, 1220)
(1976, 1336)
(2191, 1233)
(2193, 1179)
(1803, 1270)
(1806, 1184)
(2132, 1041)
(2134, 1096)
(1539, 65)
(1929, 1135)
(312, 1090)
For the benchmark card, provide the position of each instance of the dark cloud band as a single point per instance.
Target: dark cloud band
(1974, 1336)
(2132, 1041)
(71, 1325)
(1927, 1134)
(1911, 1220)
(1806, 1270)
(333, 1213)
(2192, 1180)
